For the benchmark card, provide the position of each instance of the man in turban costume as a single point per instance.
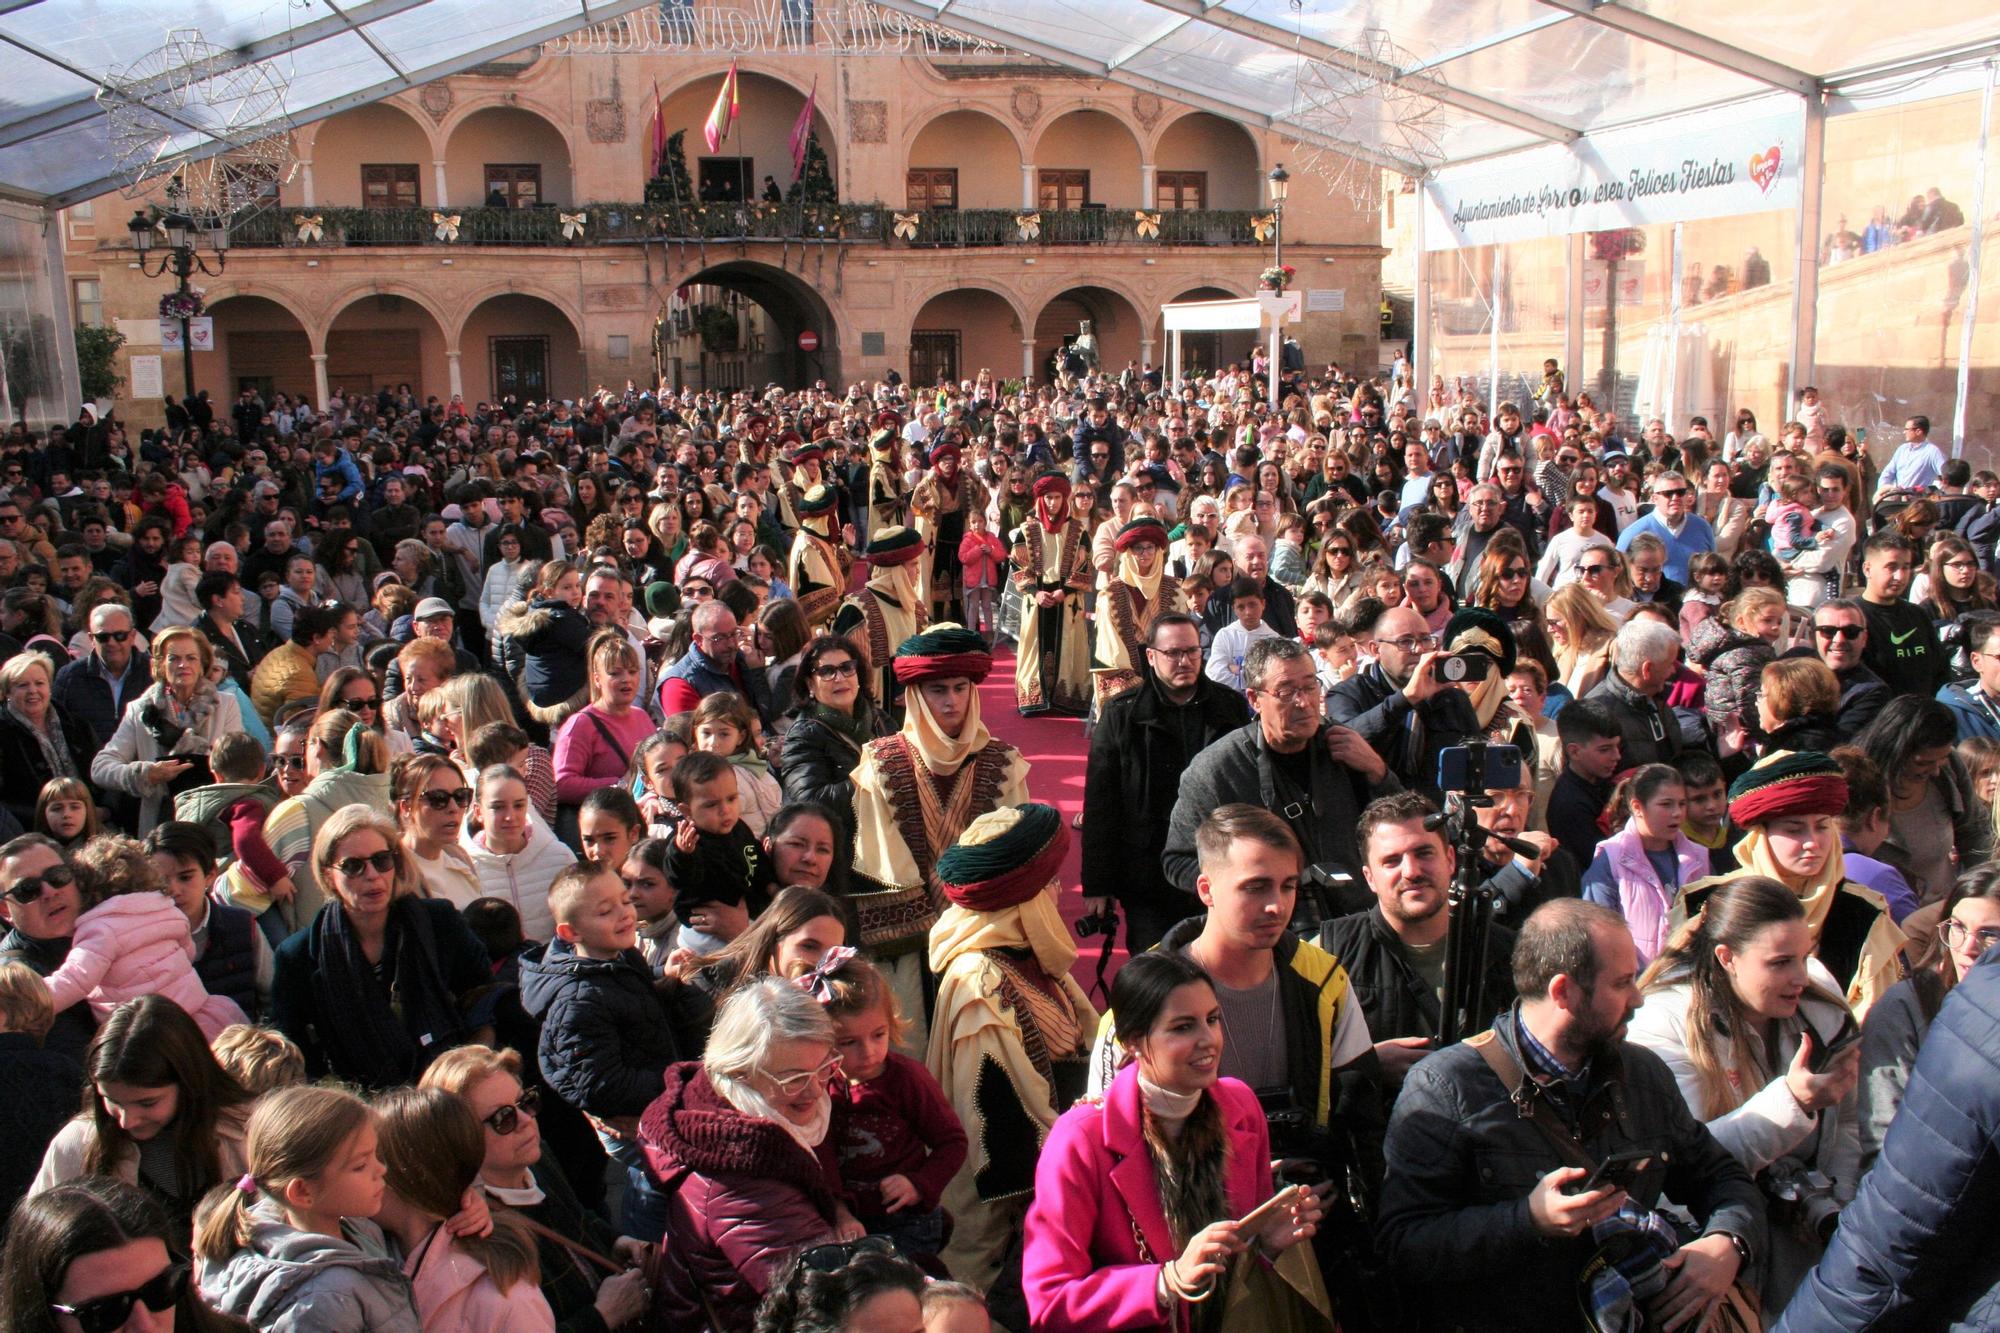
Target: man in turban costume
(887, 610)
(914, 793)
(1137, 593)
(1052, 671)
(1011, 1040)
(938, 506)
(886, 491)
(819, 561)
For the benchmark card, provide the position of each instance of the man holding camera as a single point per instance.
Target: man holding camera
(1402, 705)
(1514, 1156)
(1144, 740)
(1315, 775)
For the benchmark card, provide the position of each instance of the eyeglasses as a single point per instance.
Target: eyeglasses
(1848, 632)
(794, 1084)
(504, 1120)
(1669, 493)
(1588, 570)
(1413, 643)
(1515, 572)
(836, 670)
(107, 1314)
(437, 798)
(1178, 654)
(1955, 930)
(1961, 563)
(833, 1258)
(381, 863)
(31, 887)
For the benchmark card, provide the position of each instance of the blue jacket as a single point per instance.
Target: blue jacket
(1915, 1248)
(350, 475)
(1968, 709)
(606, 1041)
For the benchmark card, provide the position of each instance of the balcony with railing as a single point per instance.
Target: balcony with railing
(609, 224)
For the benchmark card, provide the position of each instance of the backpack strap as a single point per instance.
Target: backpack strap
(1526, 1096)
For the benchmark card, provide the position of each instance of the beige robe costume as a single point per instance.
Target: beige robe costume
(1052, 671)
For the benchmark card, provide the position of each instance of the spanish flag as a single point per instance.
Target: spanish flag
(724, 112)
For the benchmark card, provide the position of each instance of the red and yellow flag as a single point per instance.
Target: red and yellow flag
(724, 112)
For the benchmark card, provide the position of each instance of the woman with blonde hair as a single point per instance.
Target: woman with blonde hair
(432, 1150)
(377, 985)
(431, 797)
(594, 747)
(1581, 631)
(161, 746)
(475, 700)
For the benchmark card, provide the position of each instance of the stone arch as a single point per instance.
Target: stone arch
(925, 294)
(259, 340)
(515, 287)
(506, 133)
(1119, 331)
(918, 126)
(403, 337)
(1051, 115)
(340, 145)
(768, 152)
(1097, 140)
(332, 309)
(1202, 140)
(519, 342)
(792, 305)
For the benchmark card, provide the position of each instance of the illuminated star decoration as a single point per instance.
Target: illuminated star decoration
(1361, 100)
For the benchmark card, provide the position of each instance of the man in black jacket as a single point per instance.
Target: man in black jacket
(1643, 659)
(1477, 1220)
(1316, 776)
(1253, 561)
(1840, 637)
(1394, 952)
(1399, 706)
(40, 928)
(1144, 741)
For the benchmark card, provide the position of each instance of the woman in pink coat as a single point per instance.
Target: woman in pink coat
(1113, 1241)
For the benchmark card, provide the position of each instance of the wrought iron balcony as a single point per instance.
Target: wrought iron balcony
(599, 224)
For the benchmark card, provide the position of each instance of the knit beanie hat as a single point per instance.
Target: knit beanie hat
(1145, 528)
(663, 600)
(1005, 857)
(1787, 782)
(943, 652)
(894, 545)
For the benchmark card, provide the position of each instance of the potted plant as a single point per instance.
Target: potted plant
(1277, 277)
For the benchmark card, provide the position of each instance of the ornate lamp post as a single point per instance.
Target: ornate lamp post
(1281, 185)
(185, 232)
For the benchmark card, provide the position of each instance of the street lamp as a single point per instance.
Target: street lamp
(1281, 185)
(184, 232)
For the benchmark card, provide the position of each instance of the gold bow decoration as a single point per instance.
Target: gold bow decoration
(906, 225)
(447, 225)
(1148, 224)
(1262, 225)
(1028, 226)
(572, 224)
(311, 227)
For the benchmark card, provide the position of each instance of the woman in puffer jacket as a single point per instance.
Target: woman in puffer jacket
(515, 854)
(549, 632)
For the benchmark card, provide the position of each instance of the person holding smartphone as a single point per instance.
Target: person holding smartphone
(1767, 1054)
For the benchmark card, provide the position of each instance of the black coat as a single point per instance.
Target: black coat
(1281, 609)
(1397, 1001)
(24, 768)
(1372, 705)
(38, 1095)
(1461, 1162)
(605, 1041)
(1138, 752)
(240, 662)
(817, 763)
(1651, 733)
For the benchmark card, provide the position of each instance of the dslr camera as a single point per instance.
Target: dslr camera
(1104, 921)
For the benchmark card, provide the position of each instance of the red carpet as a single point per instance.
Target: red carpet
(1057, 755)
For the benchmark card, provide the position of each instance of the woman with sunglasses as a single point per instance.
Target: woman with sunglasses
(375, 987)
(86, 1256)
(356, 691)
(519, 1177)
(1900, 1020)
(1506, 584)
(832, 717)
(741, 1142)
(1336, 574)
(432, 797)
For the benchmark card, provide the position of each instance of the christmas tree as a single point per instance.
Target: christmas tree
(817, 182)
(672, 184)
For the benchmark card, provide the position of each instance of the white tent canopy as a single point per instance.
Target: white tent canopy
(1484, 76)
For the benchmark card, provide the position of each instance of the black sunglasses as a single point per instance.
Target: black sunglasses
(1593, 569)
(1848, 632)
(372, 701)
(32, 887)
(289, 761)
(381, 863)
(112, 636)
(835, 670)
(833, 1258)
(439, 797)
(107, 1314)
(507, 1119)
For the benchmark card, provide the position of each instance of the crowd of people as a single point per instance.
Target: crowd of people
(514, 866)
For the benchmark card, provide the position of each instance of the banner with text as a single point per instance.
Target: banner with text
(1715, 165)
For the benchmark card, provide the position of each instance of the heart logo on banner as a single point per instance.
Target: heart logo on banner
(1764, 167)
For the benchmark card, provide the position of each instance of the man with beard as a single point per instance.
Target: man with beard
(1487, 1218)
(1394, 952)
(1145, 739)
(938, 508)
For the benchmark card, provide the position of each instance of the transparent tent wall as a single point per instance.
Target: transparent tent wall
(1523, 285)
(37, 346)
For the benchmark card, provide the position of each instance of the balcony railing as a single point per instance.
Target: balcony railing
(597, 224)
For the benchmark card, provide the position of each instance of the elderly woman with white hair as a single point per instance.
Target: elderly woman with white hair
(743, 1144)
